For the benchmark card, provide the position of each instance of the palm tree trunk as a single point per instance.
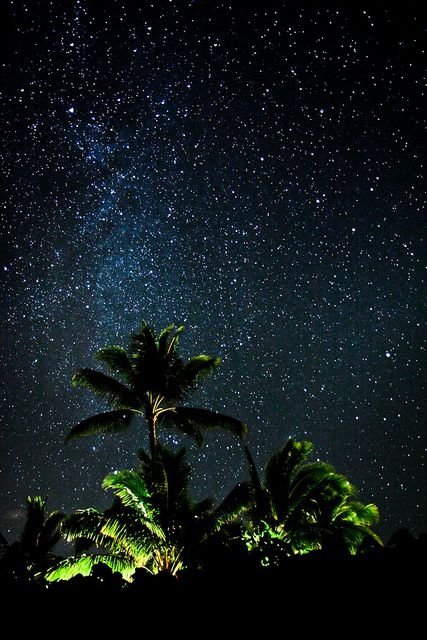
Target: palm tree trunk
(153, 437)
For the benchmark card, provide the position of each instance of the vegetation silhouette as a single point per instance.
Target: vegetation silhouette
(187, 523)
(155, 381)
(33, 553)
(160, 532)
(304, 506)
(300, 517)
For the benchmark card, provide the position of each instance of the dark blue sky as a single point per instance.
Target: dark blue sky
(256, 174)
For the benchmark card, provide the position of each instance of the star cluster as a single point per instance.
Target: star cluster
(254, 173)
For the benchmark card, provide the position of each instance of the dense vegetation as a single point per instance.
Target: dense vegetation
(297, 509)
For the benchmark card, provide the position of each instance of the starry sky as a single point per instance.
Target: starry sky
(252, 171)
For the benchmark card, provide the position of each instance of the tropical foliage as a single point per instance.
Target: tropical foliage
(33, 552)
(154, 381)
(305, 506)
(159, 531)
(298, 507)
(129, 534)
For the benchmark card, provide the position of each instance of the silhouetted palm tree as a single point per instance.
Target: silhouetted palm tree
(155, 382)
(308, 506)
(33, 552)
(159, 531)
(168, 483)
(188, 524)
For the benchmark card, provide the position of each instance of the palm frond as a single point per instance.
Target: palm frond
(125, 532)
(117, 361)
(236, 502)
(107, 388)
(303, 538)
(167, 344)
(86, 524)
(283, 464)
(130, 487)
(197, 368)
(167, 559)
(370, 515)
(143, 351)
(34, 522)
(353, 534)
(368, 533)
(172, 420)
(128, 535)
(315, 473)
(193, 422)
(110, 422)
(304, 495)
(50, 534)
(83, 565)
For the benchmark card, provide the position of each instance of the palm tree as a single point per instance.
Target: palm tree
(168, 482)
(135, 534)
(155, 380)
(33, 552)
(304, 506)
(128, 535)
(188, 525)
(345, 523)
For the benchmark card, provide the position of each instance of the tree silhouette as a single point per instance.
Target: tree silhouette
(188, 524)
(304, 506)
(155, 383)
(135, 534)
(33, 552)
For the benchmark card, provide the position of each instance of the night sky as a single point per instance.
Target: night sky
(256, 174)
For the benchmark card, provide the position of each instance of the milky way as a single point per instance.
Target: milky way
(255, 174)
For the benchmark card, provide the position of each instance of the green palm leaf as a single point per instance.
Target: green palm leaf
(365, 513)
(106, 388)
(117, 361)
(283, 464)
(83, 565)
(128, 536)
(308, 486)
(311, 476)
(87, 524)
(110, 422)
(197, 368)
(168, 345)
(130, 487)
(367, 533)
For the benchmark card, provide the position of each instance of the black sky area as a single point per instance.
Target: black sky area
(252, 171)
